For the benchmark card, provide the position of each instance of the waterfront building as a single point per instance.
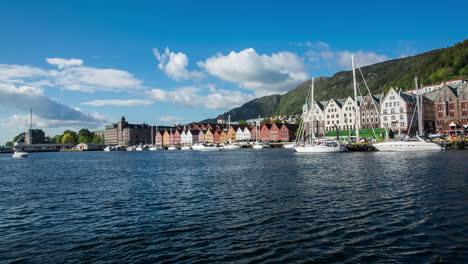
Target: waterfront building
(34, 136)
(43, 147)
(194, 134)
(348, 111)
(209, 136)
(451, 108)
(176, 137)
(287, 132)
(254, 133)
(216, 137)
(166, 138)
(269, 132)
(239, 134)
(397, 109)
(125, 134)
(231, 134)
(90, 146)
(246, 132)
(370, 110)
(158, 138)
(201, 136)
(222, 136)
(332, 113)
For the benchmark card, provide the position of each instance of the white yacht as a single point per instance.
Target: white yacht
(289, 145)
(153, 148)
(198, 146)
(108, 148)
(185, 148)
(131, 148)
(20, 154)
(411, 144)
(230, 145)
(311, 146)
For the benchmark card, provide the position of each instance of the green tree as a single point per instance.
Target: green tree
(264, 121)
(9, 144)
(277, 121)
(57, 139)
(298, 121)
(72, 133)
(18, 137)
(68, 138)
(243, 123)
(85, 136)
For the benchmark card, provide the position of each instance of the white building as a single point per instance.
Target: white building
(246, 133)
(186, 138)
(396, 111)
(240, 134)
(333, 116)
(348, 110)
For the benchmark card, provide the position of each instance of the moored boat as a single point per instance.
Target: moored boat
(20, 154)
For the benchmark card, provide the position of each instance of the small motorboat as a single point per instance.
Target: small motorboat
(20, 154)
(289, 146)
(171, 148)
(185, 148)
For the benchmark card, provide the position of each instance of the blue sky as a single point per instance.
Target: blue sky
(86, 63)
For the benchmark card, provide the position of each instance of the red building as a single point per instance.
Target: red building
(216, 136)
(176, 137)
(254, 133)
(269, 132)
(287, 132)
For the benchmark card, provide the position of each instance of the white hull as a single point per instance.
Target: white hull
(171, 148)
(289, 146)
(255, 146)
(403, 146)
(130, 149)
(317, 149)
(18, 155)
(210, 149)
(185, 148)
(231, 146)
(153, 148)
(198, 147)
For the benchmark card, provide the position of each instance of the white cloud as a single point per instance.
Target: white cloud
(64, 63)
(22, 121)
(170, 119)
(77, 78)
(16, 73)
(262, 74)
(191, 96)
(114, 102)
(25, 97)
(321, 54)
(175, 64)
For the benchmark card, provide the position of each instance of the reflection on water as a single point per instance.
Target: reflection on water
(234, 206)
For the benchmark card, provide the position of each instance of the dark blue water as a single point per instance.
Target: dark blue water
(270, 206)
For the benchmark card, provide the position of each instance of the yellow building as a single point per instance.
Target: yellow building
(222, 137)
(208, 136)
(232, 134)
(166, 139)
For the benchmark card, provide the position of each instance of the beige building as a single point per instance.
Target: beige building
(125, 134)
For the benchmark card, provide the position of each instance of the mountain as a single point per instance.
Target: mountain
(430, 67)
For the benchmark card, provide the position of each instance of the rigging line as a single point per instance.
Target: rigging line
(368, 90)
(362, 100)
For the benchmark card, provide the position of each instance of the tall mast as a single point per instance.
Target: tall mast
(419, 106)
(311, 125)
(356, 109)
(257, 133)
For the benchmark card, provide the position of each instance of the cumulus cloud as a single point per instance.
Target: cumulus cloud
(191, 96)
(70, 75)
(64, 63)
(321, 54)
(25, 97)
(262, 74)
(170, 119)
(115, 102)
(175, 65)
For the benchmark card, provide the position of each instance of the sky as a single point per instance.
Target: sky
(83, 64)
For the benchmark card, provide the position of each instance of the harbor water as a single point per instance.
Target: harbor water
(239, 206)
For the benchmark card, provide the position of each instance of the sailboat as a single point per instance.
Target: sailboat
(230, 145)
(257, 144)
(411, 144)
(310, 146)
(23, 154)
